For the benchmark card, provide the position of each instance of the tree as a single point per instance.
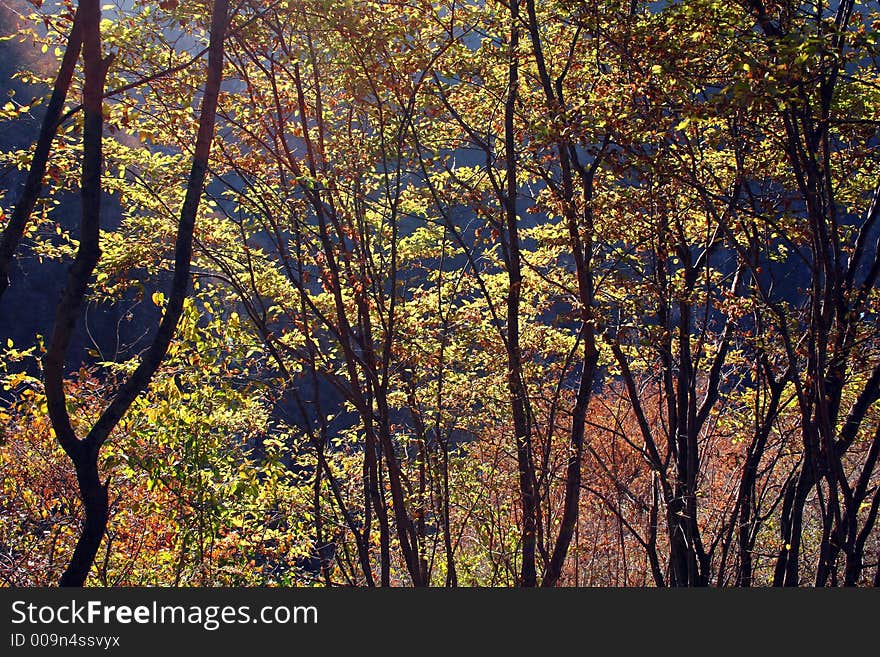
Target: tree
(84, 453)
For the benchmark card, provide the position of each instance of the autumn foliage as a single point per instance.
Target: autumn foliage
(453, 293)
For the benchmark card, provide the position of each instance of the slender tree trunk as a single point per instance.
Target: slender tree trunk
(583, 256)
(788, 559)
(515, 382)
(92, 492)
(94, 497)
(653, 519)
(33, 185)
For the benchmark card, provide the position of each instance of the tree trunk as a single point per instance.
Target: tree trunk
(34, 183)
(94, 497)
